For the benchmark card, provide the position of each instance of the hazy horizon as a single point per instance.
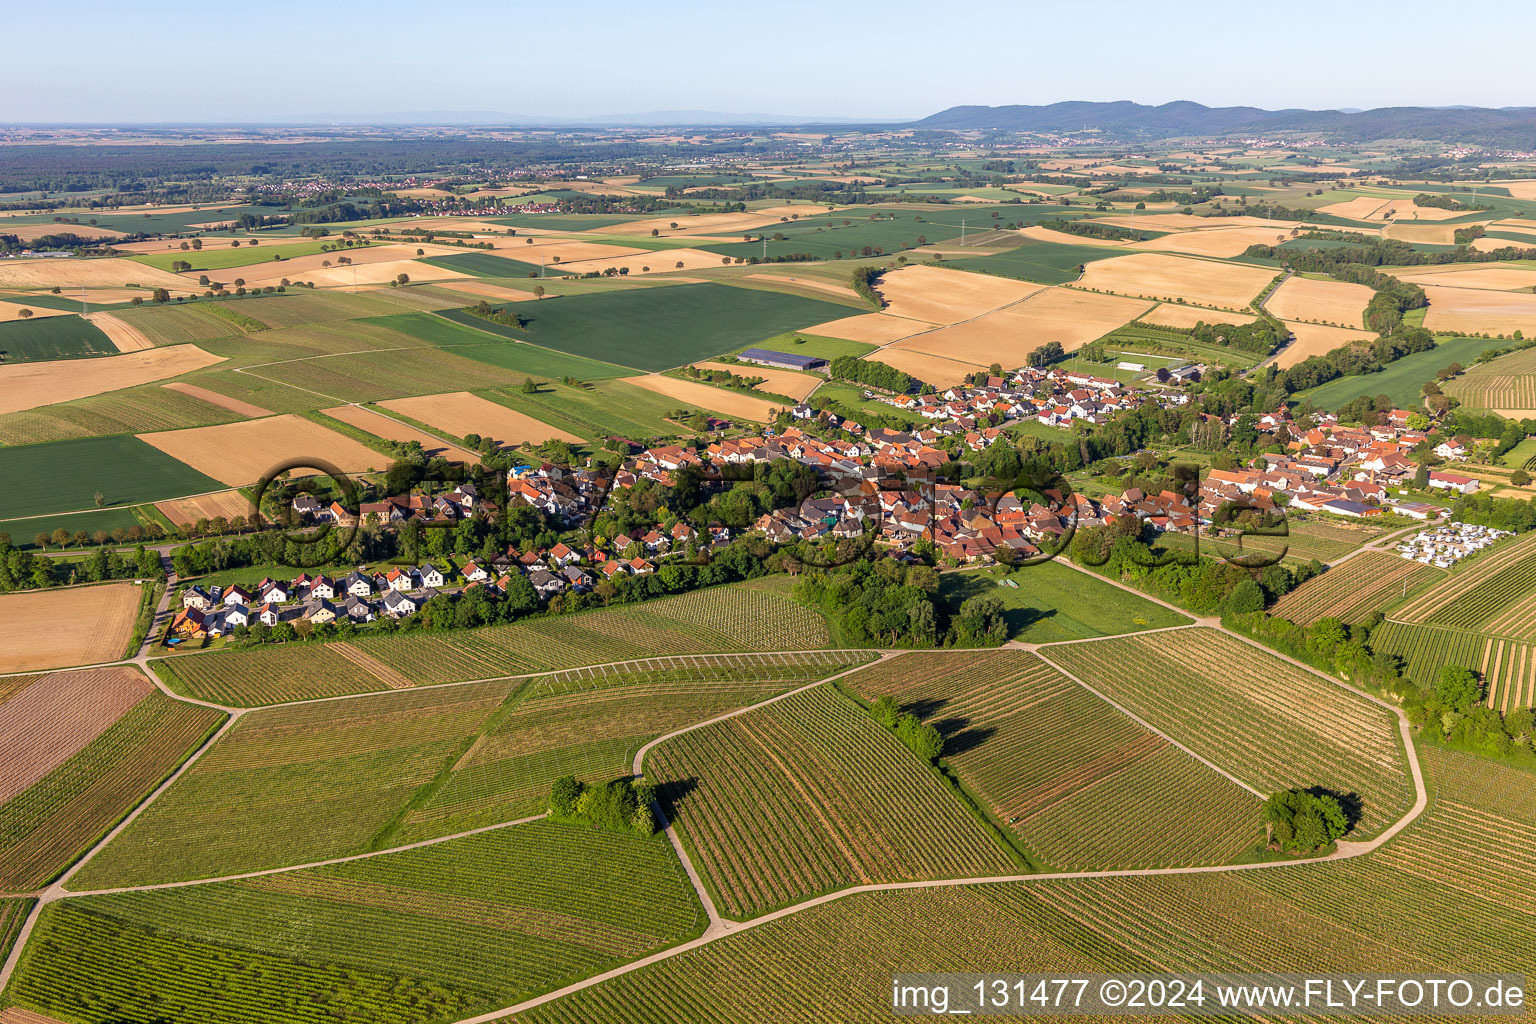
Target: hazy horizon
(163, 62)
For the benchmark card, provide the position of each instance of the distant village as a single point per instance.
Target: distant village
(884, 487)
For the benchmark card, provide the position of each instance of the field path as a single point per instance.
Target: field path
(719, 927)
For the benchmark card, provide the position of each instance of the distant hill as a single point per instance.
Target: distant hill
(1506, 128)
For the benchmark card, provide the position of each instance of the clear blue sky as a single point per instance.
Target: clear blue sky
(161, 60)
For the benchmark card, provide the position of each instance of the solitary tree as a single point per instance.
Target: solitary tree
(402, 279)
(538, 291)
(25, 314)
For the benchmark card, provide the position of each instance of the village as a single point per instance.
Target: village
(878, 483)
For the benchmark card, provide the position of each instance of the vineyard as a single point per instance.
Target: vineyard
(1421, 904)
(1491, 592)
(51, 822)
(717, 619)
(297, 784)
(1267, 722)
(1081, 785)
(427, 935)
(1508, 382)
(811, 794)
(13, 914)
(590, 723)
(1507, 667)
(1355, 590)
(328, 779)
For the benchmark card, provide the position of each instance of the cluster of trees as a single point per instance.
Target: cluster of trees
(1357, 358)
(1441, 201)
(1045, 355)
(1502, 513)
(617, 806)
(10, 243)
(872, 372)
(1303, 821)
(1203, 585)
(1368, 251)
(863, 280)
(1093, 229)
(877, 601)
(1262, 336)
(922, 739)
(498, 315)
(23, 570)
(725, 378)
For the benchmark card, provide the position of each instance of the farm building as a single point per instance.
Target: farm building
(1352, 509)
(782, 360)
(1453, 482)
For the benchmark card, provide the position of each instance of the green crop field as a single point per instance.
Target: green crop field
(1493, 591)
(176, 325)
(597, 408)
(1521, 456)
(484, 264)
(21, 531)
(800, 344)
(731, 618)
(302, 783)
(1270, 724)
(1056, 602)
(1041, 262)
(149, 221)
(811, 794)
(657, 328)
(54, 337)
(230, 258)
(1401, 380)
(1368, 583)
(590, 723)
(134, 410)
(1081, 785)
(426, 935)
(47, 825)
(66, 475)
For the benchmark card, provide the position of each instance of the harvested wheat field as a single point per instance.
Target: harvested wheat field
(66, 626)
(870, 328)
(1429, 234)
(125, 336)
(1500, 277)
(1190, 222)
(53, 717)
(392, 429)
(1489, 244)
(1042, 234)
(815, 284)
(781, 382)
(930, 369)
(1330, 302)
(28, 232)
(1475, 311)
(715, 223)
(1358, 208)
(214, 398)
(720, 400)
(228, 504)
(1315, 340)
(460, 413)
(71, 274)
(1007, 336)
(660, 261)
(943, 296)
(498, 292)
(12, 310)
(1221, 242)
(359, 274)
(241, 453)
(1171, 314)
(1156, 276)
(29, 385)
